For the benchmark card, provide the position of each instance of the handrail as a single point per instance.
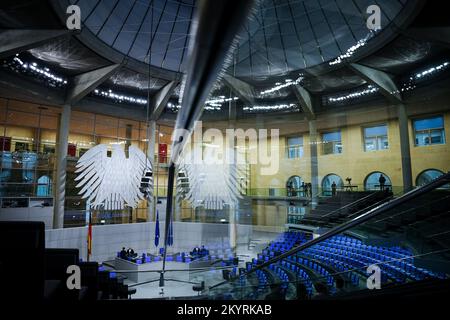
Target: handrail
(374, 205)
(351, 204)
(440, 181)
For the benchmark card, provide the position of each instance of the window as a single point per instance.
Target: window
(429, 131)
(427, 176)
(372, 181)
(294, 147)
(328, 181)
(375, 138)
(294, 186)
(332, 142)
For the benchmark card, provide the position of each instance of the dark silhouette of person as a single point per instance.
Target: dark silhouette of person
(123, 253)
(130, 253)
(203, 251)
(195, 252)
(382, 181)
(333, 189)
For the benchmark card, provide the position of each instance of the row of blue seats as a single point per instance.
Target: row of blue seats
(300, 273)
(393, 252)
(400, 261)
(353, 241)
(344, 253)
(281, 274)
(350, 263)
(374, 253)
(289, 239)
(262, 278)
(317, 268)
(361, 261)
(337, 265)
(300, 276)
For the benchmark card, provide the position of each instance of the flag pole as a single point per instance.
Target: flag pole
(156, 242)
(89, 237)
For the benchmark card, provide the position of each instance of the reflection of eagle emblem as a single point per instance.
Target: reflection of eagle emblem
(210, 183)
(113, 182)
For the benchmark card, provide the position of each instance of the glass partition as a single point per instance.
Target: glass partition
(407, 243)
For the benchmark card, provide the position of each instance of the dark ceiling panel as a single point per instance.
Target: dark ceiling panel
(403, 54)
(127, 79)
(69, 55)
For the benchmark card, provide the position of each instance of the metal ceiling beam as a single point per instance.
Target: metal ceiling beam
(18, 40)
(84, 83)
(380, 79)
(161, 98)
(242, 89)
(305, 100)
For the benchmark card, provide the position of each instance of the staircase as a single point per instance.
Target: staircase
(335, 210)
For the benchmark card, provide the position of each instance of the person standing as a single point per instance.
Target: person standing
(382, 181)
(333, 189)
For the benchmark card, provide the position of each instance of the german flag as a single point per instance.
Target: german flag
(89, 239)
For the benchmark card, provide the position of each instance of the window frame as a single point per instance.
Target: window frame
(428, 131)
(334, 142)
(376, 137)
(298, 149)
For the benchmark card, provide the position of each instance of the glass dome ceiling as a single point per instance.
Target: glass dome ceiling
(133, 26)
(283, 36)
(289, 35)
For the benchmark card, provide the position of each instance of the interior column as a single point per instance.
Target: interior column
(61, 167)
(405, 148)
(314, 161)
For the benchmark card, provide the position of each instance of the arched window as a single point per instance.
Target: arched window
(372, 181)
(328, 181)
(44, 186)
(427, 176)
(293, 186)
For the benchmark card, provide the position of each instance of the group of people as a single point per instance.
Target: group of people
(199, 252)
(127, 254)
(306, 190)
(381, 181)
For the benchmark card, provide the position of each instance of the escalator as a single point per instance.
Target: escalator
(398, 244)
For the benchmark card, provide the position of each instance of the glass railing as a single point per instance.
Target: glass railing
(400, 243)
(322, 192)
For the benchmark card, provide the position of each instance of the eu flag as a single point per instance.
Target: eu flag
(157, 229)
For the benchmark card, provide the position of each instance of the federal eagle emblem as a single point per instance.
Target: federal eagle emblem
(112, 182)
